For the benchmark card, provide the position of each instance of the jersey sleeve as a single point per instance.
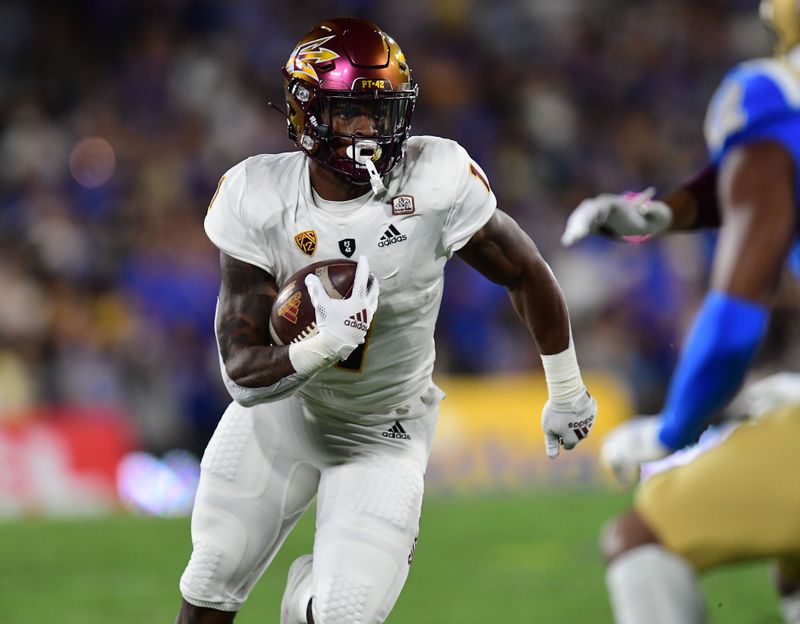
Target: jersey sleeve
(759, 100)
(473, 205)
(226, 222)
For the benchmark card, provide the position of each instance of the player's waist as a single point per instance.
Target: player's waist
(362, 402)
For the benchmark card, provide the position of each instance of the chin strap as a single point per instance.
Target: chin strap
(356, 152)
(374, 178)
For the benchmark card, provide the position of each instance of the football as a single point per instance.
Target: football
(293, 318)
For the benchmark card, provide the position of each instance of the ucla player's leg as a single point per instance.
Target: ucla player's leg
(705, 514)
(257, 479)
(711, 510)
(646, 581)
(787, 582)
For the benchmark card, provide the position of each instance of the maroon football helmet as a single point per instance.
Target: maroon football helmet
(349, 98)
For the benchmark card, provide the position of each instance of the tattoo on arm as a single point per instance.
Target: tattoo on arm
(245, 301)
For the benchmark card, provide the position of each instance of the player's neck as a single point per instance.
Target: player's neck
(332, 187)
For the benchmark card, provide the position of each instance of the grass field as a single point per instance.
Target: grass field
(480, 560)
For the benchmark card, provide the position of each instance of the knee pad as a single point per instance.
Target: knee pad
(393, 494)
(363, 588)
(362, 550)
(219, 545)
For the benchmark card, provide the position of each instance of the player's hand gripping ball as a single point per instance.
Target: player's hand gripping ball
(293, 317)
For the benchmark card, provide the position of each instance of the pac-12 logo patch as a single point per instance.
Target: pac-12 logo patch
(403, 205)
(306, 241)
(347, 246)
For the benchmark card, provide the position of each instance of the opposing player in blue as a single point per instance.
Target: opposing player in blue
(711, 511)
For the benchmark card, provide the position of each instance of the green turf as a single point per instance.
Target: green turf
(480, 560)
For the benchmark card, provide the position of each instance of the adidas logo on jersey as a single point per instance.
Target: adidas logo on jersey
(391, 236)
(397, 432)
(359, 321)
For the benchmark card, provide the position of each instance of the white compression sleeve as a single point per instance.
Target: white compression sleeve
(651, 584)
(316, 352)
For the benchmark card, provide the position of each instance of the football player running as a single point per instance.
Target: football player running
(711, 511)
(348, 414)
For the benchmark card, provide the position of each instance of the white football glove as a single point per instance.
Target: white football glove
(342, 324)
(766, 394)
(345, 322)
(631, 444)
(566, 425)
(630, 214)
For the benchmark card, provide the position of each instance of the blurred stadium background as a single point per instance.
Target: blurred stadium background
(116, 120)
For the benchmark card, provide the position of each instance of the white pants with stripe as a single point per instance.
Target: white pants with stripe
(261, 470)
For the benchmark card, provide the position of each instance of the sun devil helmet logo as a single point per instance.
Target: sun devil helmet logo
(306, 55)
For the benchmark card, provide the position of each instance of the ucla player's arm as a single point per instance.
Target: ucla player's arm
(694, 204)
(506, 255)
(245, 300)
(756, 199)
(754, 102)
(756, 194)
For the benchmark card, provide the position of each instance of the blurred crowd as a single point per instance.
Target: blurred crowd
(117, 118)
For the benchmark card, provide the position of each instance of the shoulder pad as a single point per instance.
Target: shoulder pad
(751, 94)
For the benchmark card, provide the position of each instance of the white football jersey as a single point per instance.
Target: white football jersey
(265, 214)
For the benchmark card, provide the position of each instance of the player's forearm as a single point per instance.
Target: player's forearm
(274, 382)
(248, 357)
(718, 352)
(262, 366)
(694, 205)
(261, 374)
(246, 352)
(540, 304)
(258, 367)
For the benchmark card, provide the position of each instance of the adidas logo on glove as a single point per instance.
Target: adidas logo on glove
(582, 427)
(358, 321)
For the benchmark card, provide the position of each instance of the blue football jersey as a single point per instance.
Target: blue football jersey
(758, 100)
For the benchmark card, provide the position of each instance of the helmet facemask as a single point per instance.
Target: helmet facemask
(351, 132)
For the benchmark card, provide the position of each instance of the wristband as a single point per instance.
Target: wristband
(563, 376)
(316, 352)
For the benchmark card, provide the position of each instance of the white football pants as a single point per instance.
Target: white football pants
(261, 470)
